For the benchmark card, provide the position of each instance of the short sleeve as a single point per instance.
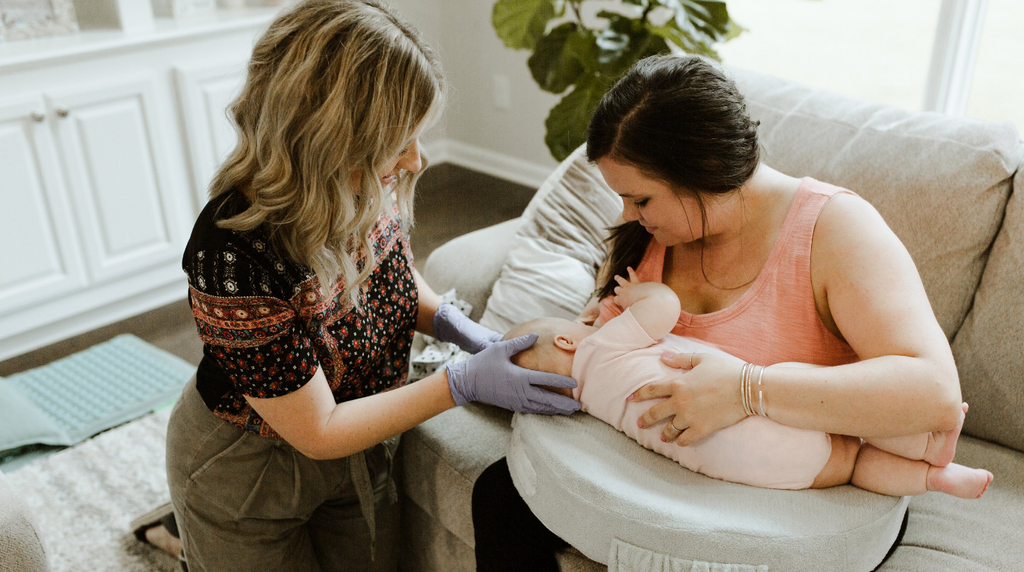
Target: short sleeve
(622, 333)
(257, 342)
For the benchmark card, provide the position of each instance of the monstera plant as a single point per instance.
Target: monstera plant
(585, 59)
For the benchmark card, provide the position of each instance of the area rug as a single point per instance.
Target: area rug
(84, 498)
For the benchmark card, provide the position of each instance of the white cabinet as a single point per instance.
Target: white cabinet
(108, 142)
(38, 258)
(205, 91)
(116, 163)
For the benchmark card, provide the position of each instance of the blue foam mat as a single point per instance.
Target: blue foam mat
(71, 399)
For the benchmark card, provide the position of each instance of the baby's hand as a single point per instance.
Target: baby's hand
(629, 291)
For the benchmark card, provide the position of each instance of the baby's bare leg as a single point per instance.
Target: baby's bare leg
(883, 472)
(936, 448)
(839, 468)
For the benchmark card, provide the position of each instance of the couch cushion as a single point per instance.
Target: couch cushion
(955, 535)
(442, 458)
(940, 182)
(989, 349)
(470, 263)
(20, 546)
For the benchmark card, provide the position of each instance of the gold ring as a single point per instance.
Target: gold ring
(691, 359)
(673, 424)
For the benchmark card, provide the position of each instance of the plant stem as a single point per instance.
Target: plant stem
(647, 10)
(575, 4)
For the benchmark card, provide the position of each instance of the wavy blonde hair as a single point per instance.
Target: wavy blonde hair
(336, 90)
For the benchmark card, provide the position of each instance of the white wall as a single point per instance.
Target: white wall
(474, 133)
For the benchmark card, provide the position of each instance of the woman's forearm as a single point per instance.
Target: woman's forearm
(356, 425)
(429, 302)
(309, 419)
(881, 397)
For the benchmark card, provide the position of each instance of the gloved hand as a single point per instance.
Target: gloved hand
(492, 378)
(451, 325)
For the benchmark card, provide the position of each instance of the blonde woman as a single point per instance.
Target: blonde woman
(304, 292)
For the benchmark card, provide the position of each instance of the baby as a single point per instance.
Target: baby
(611, 362)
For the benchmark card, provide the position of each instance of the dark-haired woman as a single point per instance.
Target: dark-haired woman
(768, 267)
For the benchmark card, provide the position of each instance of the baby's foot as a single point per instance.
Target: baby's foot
(959, 481)
(941, 446)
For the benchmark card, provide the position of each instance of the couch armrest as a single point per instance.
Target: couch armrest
(20, 546)
(471, 263)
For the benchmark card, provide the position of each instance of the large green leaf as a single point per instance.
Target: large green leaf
(695, 26)
(554, 64)
(567, 123)
(712, 18)
(625, 42)
(521, 23)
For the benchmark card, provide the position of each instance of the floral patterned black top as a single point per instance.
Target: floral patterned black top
(266, 326)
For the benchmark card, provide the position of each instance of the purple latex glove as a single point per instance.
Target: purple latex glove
(491, 377)
(451, 325)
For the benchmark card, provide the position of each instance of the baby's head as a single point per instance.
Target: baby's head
(554, 350)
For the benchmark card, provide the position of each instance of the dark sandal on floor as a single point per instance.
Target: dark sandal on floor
(163, 514)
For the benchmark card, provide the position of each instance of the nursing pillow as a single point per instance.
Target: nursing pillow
(634, 510)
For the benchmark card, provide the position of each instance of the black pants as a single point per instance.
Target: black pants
(508, 536)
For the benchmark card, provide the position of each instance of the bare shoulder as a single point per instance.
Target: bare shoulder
(846, 213)
(850, 231)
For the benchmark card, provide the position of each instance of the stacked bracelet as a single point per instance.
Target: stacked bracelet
(746, 389)
(760, 392)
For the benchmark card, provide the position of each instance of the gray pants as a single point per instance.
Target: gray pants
(244, 502)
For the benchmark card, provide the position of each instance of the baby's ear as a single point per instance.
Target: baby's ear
(566, 343)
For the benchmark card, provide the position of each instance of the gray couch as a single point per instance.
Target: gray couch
(21, 549)
(951, 188)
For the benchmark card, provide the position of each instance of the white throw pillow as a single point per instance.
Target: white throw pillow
(555, 255)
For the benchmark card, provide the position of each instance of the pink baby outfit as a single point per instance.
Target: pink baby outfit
(775, 320)
(620, 357)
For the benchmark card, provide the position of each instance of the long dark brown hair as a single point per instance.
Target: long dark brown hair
(678, 119)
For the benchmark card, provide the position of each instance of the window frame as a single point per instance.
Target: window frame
(954, 54)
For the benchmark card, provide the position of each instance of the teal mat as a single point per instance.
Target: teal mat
(71, 399)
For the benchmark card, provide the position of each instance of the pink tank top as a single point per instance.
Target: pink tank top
(775, 320)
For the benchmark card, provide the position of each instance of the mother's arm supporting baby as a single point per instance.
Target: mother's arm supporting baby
(869, 293)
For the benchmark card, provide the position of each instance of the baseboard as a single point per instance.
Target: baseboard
(488, 162)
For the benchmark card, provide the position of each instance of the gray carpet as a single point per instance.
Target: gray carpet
(84, 498)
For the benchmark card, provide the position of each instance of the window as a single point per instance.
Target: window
(997, 89)
(953, 56)
(876, 50)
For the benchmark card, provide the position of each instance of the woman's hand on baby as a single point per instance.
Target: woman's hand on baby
(451, 325)
(702, 400)
(491, 377)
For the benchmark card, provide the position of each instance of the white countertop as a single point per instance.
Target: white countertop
(19, 54)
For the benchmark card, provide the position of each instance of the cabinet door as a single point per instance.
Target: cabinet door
(38, 257)
(205, 93)
(126, 206)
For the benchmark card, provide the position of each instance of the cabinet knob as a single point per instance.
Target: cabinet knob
(62, 112)
(37, 117)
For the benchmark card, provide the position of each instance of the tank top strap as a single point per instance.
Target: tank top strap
(797, 230)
